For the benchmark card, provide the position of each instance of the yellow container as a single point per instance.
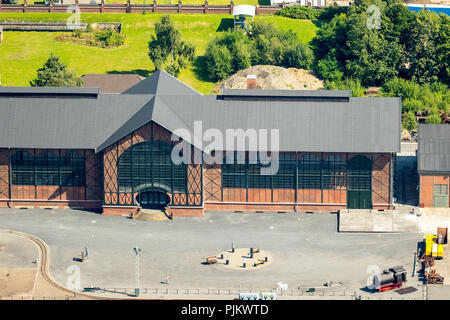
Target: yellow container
(429, 244)
(440, 250)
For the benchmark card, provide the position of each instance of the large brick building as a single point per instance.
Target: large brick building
(78, 147)
(434, 165)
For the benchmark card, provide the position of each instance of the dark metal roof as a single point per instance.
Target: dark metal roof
(358, 125)
(288, 93)
(48, 91)
(434, 148)
(162, 83)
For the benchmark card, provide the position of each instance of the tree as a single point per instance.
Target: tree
(371, 57)
(10, 1)
(410, 121)
(55, 74)
(218, 62)
(166, 49)
(428, 47)
(299, 56)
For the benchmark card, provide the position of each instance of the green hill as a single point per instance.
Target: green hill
(22, 53)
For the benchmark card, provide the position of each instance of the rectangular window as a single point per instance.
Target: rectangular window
(309, 172)
(285, 177)
(48, 168)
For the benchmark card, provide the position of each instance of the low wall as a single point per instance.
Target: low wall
(41, 26)
(133, 8)
(377, 221)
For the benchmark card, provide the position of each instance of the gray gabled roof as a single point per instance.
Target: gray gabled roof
(162, 83)
(434, 148)
(328, 125)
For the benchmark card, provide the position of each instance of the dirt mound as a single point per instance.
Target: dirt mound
(272, 78)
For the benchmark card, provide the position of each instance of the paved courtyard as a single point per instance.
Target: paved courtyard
(306, 249)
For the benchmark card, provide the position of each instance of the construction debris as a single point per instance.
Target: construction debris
(434, 278)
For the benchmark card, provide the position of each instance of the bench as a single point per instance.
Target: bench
(211, 260)
(257, 263)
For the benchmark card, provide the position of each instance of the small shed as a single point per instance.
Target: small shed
(241, 12)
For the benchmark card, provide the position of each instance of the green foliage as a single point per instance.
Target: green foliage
(428, 46)
(299, 12)
(218, 62)
(329, 47)
(330, 12)
(347, 84)
(167, 51)
(263, 44)
(400, 43)
(109, 38)
(302, 12)
(433, 118)
(10, 1)
(105, 38)
(409, 122)
(299, 56)
(428, 99)
(55, 74)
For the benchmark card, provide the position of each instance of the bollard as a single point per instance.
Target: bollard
(251, 253)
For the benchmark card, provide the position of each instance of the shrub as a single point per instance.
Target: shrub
(299, 56)
(410, 121)
(299, 12)
(109, 38)
(347, 84)
(218, 62)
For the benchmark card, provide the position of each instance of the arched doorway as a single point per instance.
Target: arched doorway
(153, 199)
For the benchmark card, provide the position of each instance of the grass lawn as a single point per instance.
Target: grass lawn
(210, 2)
(22, 53)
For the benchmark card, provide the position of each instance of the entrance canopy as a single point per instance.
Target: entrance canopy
(241, 12)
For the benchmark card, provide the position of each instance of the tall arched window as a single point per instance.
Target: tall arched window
(359, 173)
(149, 165)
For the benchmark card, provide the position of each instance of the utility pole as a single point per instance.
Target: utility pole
(137, 251)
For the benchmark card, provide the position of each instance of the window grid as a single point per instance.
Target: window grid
(48, 169)
(313, 173)
(152, 166)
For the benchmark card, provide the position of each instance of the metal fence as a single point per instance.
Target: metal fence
(128, 7)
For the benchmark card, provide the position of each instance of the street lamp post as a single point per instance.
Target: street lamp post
(137, 251)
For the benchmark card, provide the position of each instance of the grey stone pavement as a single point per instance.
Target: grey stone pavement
(16, 252)
(307, 250)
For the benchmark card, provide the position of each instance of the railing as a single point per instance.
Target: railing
(224, 293)
(128, 7)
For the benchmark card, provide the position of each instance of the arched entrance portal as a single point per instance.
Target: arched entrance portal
(153, 199)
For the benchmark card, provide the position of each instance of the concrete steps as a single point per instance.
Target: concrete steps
(151, 215)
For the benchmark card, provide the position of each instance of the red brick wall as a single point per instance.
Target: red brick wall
(380, 186)
(145, 133)
(427, 183)
(52, 193)
(4, 173)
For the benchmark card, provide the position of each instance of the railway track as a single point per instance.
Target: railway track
(43, 267)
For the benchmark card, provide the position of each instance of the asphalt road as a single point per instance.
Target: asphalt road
(307, 250)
